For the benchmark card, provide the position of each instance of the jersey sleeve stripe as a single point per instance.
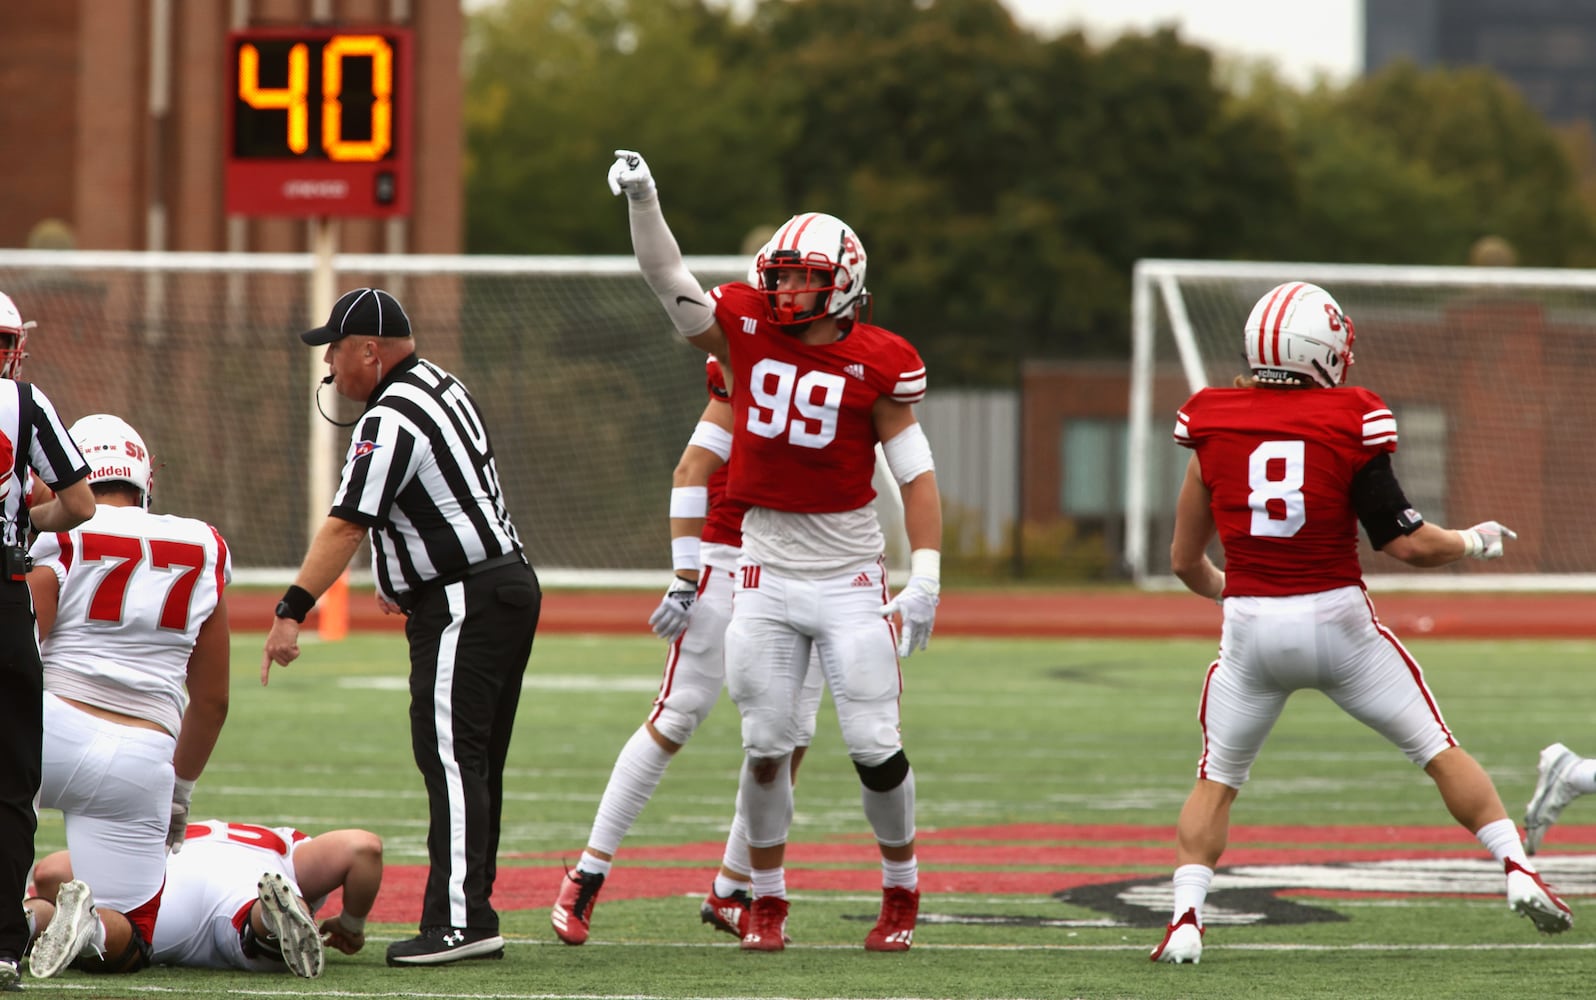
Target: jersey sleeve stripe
(909, 390)
(1386, 428)
(1382, 439)
(223, 570)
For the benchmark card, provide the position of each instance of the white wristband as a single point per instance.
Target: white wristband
(1473, 544)
(182, 790)
(684, 553)
(926, 563)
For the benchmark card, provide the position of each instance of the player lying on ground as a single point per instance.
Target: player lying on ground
(240, 896)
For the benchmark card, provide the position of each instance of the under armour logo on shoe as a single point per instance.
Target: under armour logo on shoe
(863, 580)
(855, 369)
(454, 937)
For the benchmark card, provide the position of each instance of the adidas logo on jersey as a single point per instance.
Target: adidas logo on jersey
(856, 370)
(863, 580)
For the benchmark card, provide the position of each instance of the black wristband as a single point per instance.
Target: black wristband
(296, 604)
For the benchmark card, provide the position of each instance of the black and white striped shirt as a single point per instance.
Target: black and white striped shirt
(50, 450)
(420, 474)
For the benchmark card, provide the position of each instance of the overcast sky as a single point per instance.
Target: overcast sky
(1301, 37)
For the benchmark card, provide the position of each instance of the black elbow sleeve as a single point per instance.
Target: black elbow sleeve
(1381, 505)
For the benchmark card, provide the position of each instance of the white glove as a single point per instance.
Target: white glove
(1484, 540)
(177, 829)
(917, 604)
(629, 173)
(670, 619)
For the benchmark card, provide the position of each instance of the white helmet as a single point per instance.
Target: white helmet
(822, 243)
(115, 453)
(13, 338)
(1297, 330)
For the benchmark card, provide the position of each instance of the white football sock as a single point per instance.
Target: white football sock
(1501, 839)
(770, 882)
(736, 856)
(636, 775)
(900, 874)
(593, 865)
(1191, 889)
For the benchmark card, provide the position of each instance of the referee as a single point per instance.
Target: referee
(420, 477)
(31, 437)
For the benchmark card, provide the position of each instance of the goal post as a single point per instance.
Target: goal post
(588, 393)
(1488, 370)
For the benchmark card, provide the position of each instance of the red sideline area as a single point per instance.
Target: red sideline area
(1042, 614)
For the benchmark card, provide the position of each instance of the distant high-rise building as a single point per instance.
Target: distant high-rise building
(1547, 48)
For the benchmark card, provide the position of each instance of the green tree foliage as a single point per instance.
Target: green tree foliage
(1004, 183)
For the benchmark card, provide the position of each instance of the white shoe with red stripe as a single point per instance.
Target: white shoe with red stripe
(1183, 941)
(1527, 894)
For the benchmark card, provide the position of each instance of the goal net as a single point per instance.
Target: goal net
(588, 395)
(1488, 370)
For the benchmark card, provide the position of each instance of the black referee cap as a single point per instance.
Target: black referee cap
(364, 312)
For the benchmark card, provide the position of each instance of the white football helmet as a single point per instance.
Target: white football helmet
(115, 453)
(819, 243)
(13, 338)
(1297, 330)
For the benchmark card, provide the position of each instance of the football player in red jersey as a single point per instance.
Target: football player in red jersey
(815, 389)
(1284, 467)
(706, 542)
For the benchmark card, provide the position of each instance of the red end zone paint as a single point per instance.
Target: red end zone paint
(1057, 857)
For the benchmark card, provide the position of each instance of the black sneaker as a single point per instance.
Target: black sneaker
(441, 945)
(10, 978)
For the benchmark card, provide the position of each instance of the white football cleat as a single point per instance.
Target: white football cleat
(1553, 791)
(289, 927)
(1183, 941)
(70, 932)
(1527, 894)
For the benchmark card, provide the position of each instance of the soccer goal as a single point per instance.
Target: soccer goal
(1491, 373)
(587, 393)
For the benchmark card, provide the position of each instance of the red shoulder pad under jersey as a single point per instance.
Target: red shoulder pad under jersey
(1279, 465)
(715, 380)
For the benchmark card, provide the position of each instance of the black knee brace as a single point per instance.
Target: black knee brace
(885, 776)
(134, 957)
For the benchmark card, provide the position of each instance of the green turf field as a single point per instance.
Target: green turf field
(1049, 774)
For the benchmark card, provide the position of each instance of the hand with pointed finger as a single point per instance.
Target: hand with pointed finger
(629, 173)
(675, 610)
(916, 604)
(1484, 540)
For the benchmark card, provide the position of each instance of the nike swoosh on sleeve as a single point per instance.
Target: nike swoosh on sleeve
(690, 301)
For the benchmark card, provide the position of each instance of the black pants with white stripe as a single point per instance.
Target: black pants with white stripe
(469, 644)
(21, 743)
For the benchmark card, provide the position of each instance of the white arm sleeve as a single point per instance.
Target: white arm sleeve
(908, 454)
(712, 438)
(661, 261)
